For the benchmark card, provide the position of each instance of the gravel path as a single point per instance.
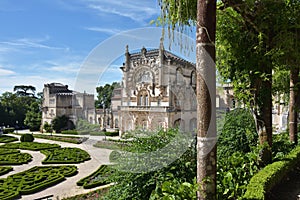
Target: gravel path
(68, 187)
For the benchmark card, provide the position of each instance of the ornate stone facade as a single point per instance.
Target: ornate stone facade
(158, 91)
(58, 100)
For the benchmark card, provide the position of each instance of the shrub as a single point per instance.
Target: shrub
(48, 127)
(115, 133)
(238, 133)
(271, 175)
(70, 132)
(61, 123)
(27, 138)
(8, 130)
(7, 139)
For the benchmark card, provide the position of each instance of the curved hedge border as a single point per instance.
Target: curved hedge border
(8, 151)
(97, 178)
(15, 159)
(5, 170)
(34, 146)
(65, 155)
(271, 175)
(34, 180)
(7, 139)
(69, 139)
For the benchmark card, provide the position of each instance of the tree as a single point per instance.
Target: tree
(22, 90)
(33, 117)
(182, 13)
(60, 123)
(105, 94)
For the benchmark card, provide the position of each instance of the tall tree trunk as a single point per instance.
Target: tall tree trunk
(293, 124)
(206, 99)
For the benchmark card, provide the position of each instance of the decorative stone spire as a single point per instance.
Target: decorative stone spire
(161, 51)
(127, 58)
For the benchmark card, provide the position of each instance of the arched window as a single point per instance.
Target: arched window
(143, 98)
(193, 78)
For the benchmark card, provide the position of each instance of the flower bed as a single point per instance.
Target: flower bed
(65, 155)
(98, 178)
(34, 180)
(34, 146)
(7, 139)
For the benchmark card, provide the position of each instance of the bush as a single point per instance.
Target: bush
(61, 123)
(271, 175)
(115, 133)
(70, 132)
(238, 133)
(8, 130)
(48, 127)
(27, 138)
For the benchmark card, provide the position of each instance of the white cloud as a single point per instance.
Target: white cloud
(138, 11)
(22, 43)
(110, 31)
(6, 72)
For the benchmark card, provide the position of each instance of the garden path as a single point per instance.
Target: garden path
(68, 187)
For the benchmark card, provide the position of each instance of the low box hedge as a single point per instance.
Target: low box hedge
(34, 180)
(65, 155)
(272, 174)
(15, 159)
(5, 170)
(97, 178)
(8, 130)
(7, 139)
(34, 146)
(70, 132)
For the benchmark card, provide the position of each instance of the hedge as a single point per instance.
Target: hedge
(70, 139)
(5, 170)
(34, 180)
(70, 132)
(8, 130)
(65, 155)
(7, 139)
(8, 151)
(27, 137)
(15, 159)
(34, 146)
(97, 178)
(272, 174)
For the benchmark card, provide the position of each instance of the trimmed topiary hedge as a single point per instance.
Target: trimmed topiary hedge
(271, 175)
(5, 170)
(70, 132)
(8, 130)
(8, 151)
(15, 159)
(98, 178)
(7, 139)
(34, 180)
(70, 139)
(65, 155)
(27, 138)
(34, 146)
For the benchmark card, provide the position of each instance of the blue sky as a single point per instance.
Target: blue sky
(44, 41)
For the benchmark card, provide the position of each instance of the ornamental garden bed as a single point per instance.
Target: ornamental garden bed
(34, 146)
(98, 178)
(65, 155)
(15, 159)
(7, 139)
(70, 139)
(5, 170)
(33, 180)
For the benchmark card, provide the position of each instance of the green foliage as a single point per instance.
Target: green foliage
(7, 139)
(48, 127)
(15, 158)
(133, 185)
(8, 130)
(34, 146)
(238, 133)
(105, 94)
(70, 132)
(97, 178)
(8, 151)
(65, 155)
(33, 117)
(271, 175)
(27, 137)
(281, 146)
(34, 180)
(60, 123)
(70, 139)
(5, 170)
